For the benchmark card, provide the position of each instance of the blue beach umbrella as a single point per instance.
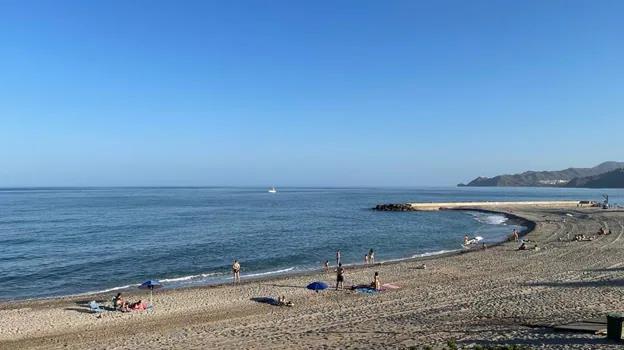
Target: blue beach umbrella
(151, 285)
(316, 286)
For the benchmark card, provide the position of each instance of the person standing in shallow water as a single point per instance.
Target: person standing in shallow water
(515, 235)
(337, 256)
(236, 271)
(339, 277)
(371, 256)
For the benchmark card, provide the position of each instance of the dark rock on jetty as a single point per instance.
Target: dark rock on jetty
(394, 207)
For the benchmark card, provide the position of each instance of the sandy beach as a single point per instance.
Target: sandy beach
(495, 296)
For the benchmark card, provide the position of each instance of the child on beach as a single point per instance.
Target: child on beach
(339, 277)
(366, 259)
(371, 256)
(236, 271)
(326, 266)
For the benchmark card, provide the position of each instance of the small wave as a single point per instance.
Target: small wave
(190, 277)
(108, 290)
(439, 252)
(179, 279)
(422, 255)
(490, 219)
(268, 272)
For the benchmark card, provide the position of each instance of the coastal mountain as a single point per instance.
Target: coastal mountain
(611, 179)
(548, 178)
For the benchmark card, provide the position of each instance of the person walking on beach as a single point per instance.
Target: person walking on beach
(338, 257)
(515, 235)
(339, 277)
(236, 271)
(371, 256)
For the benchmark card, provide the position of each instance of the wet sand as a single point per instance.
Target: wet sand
(487, 297)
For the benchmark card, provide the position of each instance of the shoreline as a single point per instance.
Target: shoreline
(132, 289)
(497, 296)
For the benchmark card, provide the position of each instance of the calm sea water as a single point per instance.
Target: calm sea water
(78, 240)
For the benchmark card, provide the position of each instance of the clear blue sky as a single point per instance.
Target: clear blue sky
(313, 93)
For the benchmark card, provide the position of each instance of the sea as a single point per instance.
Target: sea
(72, 241)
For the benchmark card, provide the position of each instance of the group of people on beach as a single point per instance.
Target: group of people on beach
(369, 258)
(340, 277)
(581, 237)
(120, 304)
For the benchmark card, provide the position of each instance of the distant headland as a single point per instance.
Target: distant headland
(605, 175)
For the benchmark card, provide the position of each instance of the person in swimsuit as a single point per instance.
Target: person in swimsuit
(515, 235)
(337, 256)
(376, 283)
(236, 271)
(366, 259)
(371, 256)
(339, 277)
(326, 266)
(120, 303)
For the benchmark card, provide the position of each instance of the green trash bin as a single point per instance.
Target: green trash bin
(614, 326)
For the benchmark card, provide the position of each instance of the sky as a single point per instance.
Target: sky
(306, 93)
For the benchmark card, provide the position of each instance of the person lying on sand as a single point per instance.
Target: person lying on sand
(523, 246)
(281, 301)
(604, 232)
(138, 306)
(582, 237)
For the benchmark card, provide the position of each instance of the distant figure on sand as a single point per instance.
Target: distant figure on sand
(119, 303)
(466, 239)
(236, 271)
(339, 277)
(326, 266)
(515, 235)
(376, 284)
(371, 256)
(522, 246)
(338, 257)
(366, 259)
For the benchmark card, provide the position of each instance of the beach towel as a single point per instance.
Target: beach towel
(366, 290)
(95, 307)
(389, 286)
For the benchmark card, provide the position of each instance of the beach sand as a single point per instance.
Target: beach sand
(496, 296)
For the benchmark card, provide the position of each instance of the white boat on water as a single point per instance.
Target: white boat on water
(272, 190)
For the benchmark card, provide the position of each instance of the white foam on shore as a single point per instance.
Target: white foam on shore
(439, 252)
(107, 290)
(190, 277)
(268, 272)
(415, 256)
(490, 219)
